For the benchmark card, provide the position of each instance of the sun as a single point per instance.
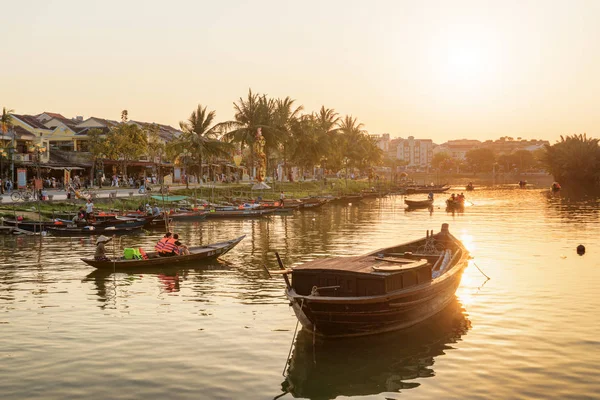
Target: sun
(464, 62)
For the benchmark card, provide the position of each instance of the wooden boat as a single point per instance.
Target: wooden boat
(427, 189)
(469, 187)
(197, 253)
(188, 215)
(313, 202)
(386, 290)
(419, 203)
(238, 213)
(93, 230)
(30, 226)
(454, 204)
(345, 199)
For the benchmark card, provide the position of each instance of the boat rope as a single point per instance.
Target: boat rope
(481, 270)
(292, 344)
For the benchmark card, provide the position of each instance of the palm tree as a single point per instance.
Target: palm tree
(286, 118)
(5, 125)
(251, 114)
(201, 137)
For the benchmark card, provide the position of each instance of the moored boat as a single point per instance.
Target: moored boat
(252, 213)
(94, 230)
(419, 203)
(386, 290)
(197, 253)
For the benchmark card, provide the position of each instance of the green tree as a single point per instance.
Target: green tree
(250, 114)
(126, 142)
(97, 147)
(443, 162)
(480, 160)
(285, 122)
(6, 125)
(201, 137)
(574, 159)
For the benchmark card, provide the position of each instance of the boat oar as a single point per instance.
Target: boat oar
(287, 280)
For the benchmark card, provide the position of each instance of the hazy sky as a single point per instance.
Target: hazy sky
(431, 69)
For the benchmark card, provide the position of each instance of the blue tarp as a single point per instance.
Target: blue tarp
(169, 198)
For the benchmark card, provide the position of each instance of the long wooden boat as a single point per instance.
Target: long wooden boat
(386, 290)
(345, 199)
(93, 230)
(188, 215)
(239, 213)
(419, 203)
(30, 226)
(197, 253)
(427, 189)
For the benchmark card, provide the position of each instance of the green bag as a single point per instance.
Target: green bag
(129, 253)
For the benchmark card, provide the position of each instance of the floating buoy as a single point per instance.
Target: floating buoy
(581, 249)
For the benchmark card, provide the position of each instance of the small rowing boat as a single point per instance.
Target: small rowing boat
(197, 253)
(419, 203)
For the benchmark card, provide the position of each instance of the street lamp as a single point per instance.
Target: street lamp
(186, 154)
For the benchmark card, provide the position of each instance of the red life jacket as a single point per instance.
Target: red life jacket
(143, 253)
(170, 246)
(161, 245)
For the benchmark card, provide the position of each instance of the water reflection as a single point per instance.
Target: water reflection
(574, 204)
(372, 365)
(109, 285)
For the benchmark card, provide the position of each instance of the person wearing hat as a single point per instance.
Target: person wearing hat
(100, 254)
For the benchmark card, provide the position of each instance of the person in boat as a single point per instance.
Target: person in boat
(182, 248)
(461, 197)
(100, 254)
(281, 198)
(452, 197)
(556, 186)
(155, 210)
(430, 196)
(80, 216)
(166, 246)
(89, 209)
(141, 208)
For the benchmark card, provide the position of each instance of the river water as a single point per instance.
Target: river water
(223, 330)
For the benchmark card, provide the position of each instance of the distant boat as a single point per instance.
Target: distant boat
(385, 290)
(419, 203)
(427, 189)
(555, 187)
(469, 187)
(455, 203)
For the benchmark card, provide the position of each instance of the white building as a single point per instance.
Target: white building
(383, 141)
(416, 152)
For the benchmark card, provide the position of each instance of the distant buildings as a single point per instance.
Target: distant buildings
(63, 140)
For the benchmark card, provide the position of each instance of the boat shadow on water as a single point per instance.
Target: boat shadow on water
(370, 365)
(168, 278)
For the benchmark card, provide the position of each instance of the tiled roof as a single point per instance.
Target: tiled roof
(53, 115)
(30, 120)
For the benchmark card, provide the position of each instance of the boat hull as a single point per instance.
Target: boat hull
(346, 301)
(199, 253)
(389, 314)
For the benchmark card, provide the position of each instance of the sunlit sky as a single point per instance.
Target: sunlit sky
(432, 69)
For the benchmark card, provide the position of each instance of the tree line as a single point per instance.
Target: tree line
(292, 138)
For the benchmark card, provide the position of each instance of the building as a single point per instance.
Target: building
(382, 141)
(458, 149)
(416, 153)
